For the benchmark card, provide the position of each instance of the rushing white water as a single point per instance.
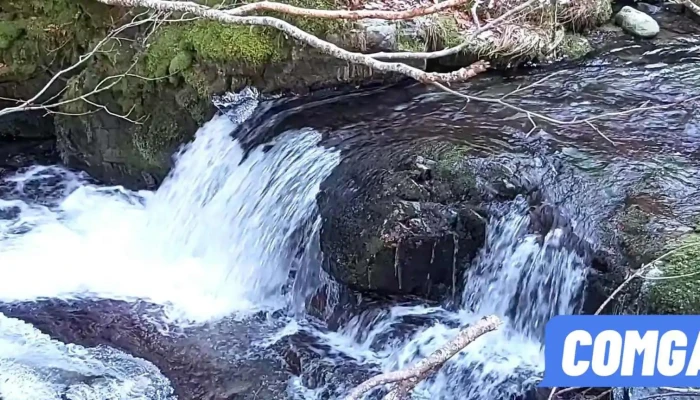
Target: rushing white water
(221, 235)
(519, 276)
(229, 232)
(32, 367)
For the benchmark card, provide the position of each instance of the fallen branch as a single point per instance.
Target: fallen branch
(429, 364)
(53, 107)
(351, 15)
(30, 104)
(429, 55)
(302, 36)
(690, 5)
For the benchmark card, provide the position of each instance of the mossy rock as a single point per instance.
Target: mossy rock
(181, 62)
(640, 244)
(679, 295)
(574, 46)
(9, 32)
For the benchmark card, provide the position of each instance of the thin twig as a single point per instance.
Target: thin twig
(30, 103)
(429, 55)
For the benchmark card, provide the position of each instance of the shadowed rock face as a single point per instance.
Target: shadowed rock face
(400, 224)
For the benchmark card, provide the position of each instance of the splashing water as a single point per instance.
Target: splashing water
(522, 277)
(221, 235)
(229, 232)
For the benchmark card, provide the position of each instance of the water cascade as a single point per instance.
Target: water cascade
(229, 232)
(524, 277)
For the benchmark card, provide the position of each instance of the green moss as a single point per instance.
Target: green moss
(219, 42)
(47, 33)
(175, 46)
(409, 43)
(156, 134)
(679, 295)
(446, 32)
(574, 46)
(166, 44)
(639, 244)
(181, 62)
(9, 32)
(197, 80)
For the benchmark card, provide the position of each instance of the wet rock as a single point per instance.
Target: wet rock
(648, 8)
(637, 23)
(217, 361)
(401, 225)
(673, 7)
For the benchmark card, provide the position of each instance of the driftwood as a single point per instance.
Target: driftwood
(411, 376)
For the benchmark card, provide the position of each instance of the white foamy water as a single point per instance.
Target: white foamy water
(228, 232)
(221, 235)
(522, 278)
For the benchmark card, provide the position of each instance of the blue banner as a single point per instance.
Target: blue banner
(622, 351)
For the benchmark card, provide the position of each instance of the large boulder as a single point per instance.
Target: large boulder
(637, 23)
(401, 224)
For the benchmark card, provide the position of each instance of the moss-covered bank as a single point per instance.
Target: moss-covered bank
(184, 63)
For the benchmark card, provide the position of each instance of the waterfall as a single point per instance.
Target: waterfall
(222, 234)
(524, 278)
(229, 232)
(233, 231)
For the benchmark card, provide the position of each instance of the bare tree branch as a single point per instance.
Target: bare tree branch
(351, 15)
(460, 47)
(105, 84)
(434, 361)
(28, 104)
(298, 34)
(531, 114)
(690, 5)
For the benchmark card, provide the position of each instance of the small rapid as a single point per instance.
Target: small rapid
(233, 232)
(525, 278)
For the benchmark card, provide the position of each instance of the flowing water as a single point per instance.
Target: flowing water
(232, 236)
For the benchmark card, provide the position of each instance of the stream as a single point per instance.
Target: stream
(200, 290)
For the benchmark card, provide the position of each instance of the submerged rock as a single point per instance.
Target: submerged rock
(215, 361)
(637, 22)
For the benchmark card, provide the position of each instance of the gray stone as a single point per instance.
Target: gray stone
(637, 23)
(648, 8)
(381, 35)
